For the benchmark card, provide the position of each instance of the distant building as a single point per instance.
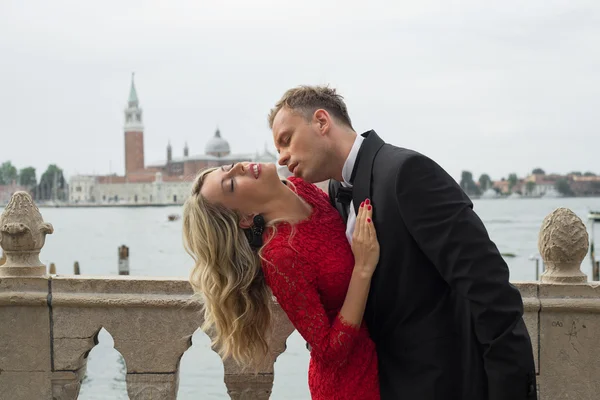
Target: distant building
(216, 153)
(584, 185)
(544, 185)
(503, 186)
(541, 185)
(6, 191)
(164, 182)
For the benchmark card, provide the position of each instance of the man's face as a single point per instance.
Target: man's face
(302, 145)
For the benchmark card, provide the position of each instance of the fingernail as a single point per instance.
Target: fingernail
(368, 219)
(362, 204)
(369, 208)
(367, 201)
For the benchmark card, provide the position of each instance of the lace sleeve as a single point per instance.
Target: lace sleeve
(290, 281)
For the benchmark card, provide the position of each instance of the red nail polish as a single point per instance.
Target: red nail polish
(362, 204)
(369, 208)
(367, 201)
(368, 219)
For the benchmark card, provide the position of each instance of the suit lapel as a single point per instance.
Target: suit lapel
(364, 167)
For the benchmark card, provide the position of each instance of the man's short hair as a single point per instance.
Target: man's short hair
(307, 99)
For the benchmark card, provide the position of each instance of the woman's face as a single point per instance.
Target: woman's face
(245, 187)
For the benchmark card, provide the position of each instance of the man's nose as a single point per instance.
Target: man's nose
(284, 158)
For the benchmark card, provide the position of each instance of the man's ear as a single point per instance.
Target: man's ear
(247, 221)
(323, 120)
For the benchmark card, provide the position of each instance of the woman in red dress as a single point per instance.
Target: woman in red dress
(251, 237)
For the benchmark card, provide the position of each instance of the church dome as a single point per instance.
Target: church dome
(217, 146)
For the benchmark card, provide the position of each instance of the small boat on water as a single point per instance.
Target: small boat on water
(173, 217)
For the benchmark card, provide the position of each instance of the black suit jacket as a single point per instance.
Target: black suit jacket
(445, 319)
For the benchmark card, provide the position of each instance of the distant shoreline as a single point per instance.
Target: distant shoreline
(159, 205)
(133, 205)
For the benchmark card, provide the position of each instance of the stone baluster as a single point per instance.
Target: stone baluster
(25, 360)
(151, 323)
(569, 320)
(247, 385)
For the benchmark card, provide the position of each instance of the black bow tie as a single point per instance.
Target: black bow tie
(344, 195)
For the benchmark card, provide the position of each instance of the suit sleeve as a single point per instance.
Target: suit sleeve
(440, 218)
(290, 281)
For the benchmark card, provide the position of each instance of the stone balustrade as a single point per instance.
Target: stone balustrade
(49, 324)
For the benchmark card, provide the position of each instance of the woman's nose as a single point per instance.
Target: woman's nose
(239, 168)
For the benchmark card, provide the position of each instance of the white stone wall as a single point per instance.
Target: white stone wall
(86, 189)
(544, 189)
(81, 189)
(123, 192)
(151, 193)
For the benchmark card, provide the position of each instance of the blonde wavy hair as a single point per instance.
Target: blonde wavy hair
(227, 275)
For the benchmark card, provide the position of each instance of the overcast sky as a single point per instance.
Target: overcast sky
(502, 87)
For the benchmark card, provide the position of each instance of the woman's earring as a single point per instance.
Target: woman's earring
(255, 232)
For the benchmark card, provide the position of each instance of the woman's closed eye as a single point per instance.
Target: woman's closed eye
(227, 168)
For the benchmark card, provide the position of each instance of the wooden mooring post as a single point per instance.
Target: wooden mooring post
(123, 260)
(52, 269)
(76, 269)
(594, 216)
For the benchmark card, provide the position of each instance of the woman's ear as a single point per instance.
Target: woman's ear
(247, 221)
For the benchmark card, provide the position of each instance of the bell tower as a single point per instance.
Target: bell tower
(134, 133)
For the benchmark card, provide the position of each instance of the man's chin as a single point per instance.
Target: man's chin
(301, 177)
(306, 177)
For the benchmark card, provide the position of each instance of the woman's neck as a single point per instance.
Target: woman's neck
(288, 206)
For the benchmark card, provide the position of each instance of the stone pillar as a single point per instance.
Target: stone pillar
(247, 385)
(25, 360)
(563, 243)
(569, 320)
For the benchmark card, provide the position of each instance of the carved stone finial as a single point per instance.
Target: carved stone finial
(22, 236)
(563, 243)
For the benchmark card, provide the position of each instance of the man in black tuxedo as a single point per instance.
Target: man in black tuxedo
(445, 319)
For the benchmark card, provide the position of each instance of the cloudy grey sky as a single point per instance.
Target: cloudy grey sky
(488, 86)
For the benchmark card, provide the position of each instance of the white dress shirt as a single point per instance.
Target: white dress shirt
(346, 174)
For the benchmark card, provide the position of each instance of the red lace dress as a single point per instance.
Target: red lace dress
(309, 275)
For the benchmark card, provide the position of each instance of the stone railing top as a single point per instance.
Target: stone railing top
(22, 236)
(122, 291)
(563, 243)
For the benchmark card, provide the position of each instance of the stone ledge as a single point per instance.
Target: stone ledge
(23, 291)
(125, 300)
(591, 306)
(24, 299)
(119, 284)
(527, 289)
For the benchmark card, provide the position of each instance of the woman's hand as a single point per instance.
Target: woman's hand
(364, 241)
